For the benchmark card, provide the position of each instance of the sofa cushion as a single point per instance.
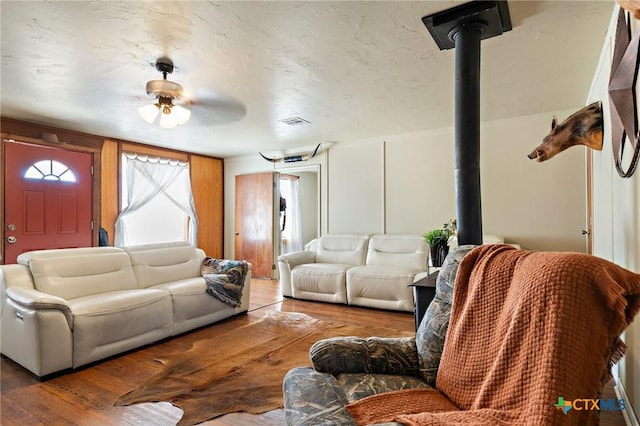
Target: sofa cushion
(433, 328)
(116, 321)
(155, 264)
(383, 287)
(70, 276)
(320, 281)
(190, 299)
(406, 250)
(342, 248)
(25, 258)
(394, 274)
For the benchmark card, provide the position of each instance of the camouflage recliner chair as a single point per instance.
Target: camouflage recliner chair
(346, 369)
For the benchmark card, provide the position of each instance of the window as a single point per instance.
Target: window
(157, 203)
(50, 170)
(290, 214)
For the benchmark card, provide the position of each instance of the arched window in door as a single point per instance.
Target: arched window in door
(50, 170)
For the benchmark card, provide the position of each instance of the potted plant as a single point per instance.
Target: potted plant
(438, 240)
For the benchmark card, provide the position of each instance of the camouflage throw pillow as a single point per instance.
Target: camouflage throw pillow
(433, 328)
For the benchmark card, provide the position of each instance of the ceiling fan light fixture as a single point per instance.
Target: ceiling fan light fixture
(149, 112)
(181, 113)
(165, 92)
(168, 121)
(158, 88)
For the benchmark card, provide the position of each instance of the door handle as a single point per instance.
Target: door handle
(585, 232)
(11, 239)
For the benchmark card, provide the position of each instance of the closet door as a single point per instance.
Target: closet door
(257, 230)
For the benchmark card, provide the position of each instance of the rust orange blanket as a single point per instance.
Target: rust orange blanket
(530, 332)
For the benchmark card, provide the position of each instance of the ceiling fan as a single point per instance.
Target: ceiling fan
(175, 109)
(165, 93)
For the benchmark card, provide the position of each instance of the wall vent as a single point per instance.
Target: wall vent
(294, 121)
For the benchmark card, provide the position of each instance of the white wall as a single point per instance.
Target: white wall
(309, 205)
(420, 190)
(616, 214)
(356, 188)
(405, 183)
(538, 205)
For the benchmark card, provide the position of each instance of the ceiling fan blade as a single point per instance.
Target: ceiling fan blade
(217, 109)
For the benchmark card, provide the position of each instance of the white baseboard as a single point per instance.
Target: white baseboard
(629, 415)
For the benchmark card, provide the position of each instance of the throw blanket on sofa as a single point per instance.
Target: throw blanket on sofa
(530, 332)
(225, 279)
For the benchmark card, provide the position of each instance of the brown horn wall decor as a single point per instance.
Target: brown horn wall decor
(292, 158)
(622, 97)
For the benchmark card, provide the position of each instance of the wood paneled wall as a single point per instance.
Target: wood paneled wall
(207, 185)
(110, 190)
(207, 176)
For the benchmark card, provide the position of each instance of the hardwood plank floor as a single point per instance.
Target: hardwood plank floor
(85, 396)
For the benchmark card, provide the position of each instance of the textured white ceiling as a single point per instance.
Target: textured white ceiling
(353, 69)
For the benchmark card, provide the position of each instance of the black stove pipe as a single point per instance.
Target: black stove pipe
(467, 132)
(463, 27)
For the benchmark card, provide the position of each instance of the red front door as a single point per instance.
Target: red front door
(48, 200)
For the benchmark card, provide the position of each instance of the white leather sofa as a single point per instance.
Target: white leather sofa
(356, 269)
(66, 308)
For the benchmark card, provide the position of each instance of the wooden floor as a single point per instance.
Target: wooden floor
(86, 396)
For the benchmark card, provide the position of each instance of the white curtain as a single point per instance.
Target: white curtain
(147, 180)
(290, 185)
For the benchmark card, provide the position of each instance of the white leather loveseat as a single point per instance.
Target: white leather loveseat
(66, 308)
(355, 269)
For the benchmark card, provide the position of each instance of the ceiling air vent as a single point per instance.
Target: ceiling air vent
(294, 121)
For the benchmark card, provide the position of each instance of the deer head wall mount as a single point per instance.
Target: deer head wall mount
(583, 127)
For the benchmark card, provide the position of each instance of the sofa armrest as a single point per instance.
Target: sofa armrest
(313, 398)
(286, 263)
(34, 299)
(297, 258)
(420, 275)
(375, 355)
